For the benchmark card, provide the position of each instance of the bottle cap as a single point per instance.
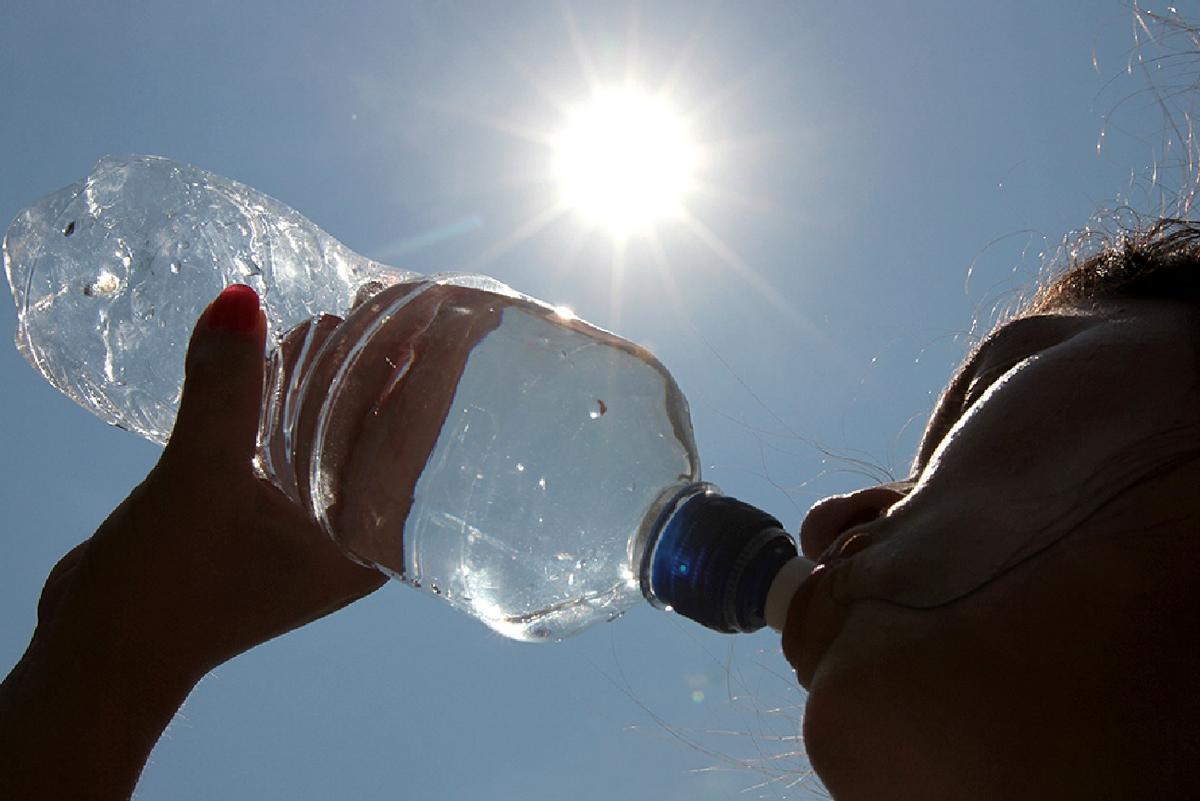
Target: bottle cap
(715, 561)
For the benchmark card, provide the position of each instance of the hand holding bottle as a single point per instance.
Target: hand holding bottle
(205, 560)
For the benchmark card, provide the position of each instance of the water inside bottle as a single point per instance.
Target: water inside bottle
(484, 445)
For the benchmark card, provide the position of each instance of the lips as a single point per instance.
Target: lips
(846, 545)
(814, 620)
(837, 528)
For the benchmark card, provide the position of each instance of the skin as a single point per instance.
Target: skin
(948, 652)
(203, 561)
(1014, 622)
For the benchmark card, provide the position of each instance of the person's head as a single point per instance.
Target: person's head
(1019, 619)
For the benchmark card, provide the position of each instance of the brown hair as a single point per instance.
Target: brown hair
(1161, 260)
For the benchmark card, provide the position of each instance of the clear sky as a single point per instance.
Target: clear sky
(857, 160)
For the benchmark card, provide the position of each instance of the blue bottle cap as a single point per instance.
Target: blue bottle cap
(714, 561)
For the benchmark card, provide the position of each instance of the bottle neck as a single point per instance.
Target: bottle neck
(713, 559)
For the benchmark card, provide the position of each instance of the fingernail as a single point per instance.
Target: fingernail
(235, 310)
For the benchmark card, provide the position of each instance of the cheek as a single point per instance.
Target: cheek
(882, 675)
(903, 702)
(932, 703)
(870, 709)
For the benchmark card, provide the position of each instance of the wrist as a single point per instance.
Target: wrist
(126, 674)
(79, 716)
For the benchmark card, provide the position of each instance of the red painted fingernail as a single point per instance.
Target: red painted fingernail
(235, 310)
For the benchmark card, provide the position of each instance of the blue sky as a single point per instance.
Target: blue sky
(887, 172)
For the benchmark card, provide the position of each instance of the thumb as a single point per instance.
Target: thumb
(223, 377)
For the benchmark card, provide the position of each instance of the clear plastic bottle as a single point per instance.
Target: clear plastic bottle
(531, 469)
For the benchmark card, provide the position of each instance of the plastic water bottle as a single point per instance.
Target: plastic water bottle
(531, 469)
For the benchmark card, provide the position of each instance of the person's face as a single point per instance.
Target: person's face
(1016, 621)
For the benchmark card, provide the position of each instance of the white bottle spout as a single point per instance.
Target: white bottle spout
(783, 589)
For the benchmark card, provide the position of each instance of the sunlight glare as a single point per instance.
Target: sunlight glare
(624, 161)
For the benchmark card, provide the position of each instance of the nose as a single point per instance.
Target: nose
(829, 518)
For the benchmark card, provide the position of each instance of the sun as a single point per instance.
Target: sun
(627, 150)
(624, 161)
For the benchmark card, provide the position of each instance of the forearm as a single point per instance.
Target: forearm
(78, 719)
